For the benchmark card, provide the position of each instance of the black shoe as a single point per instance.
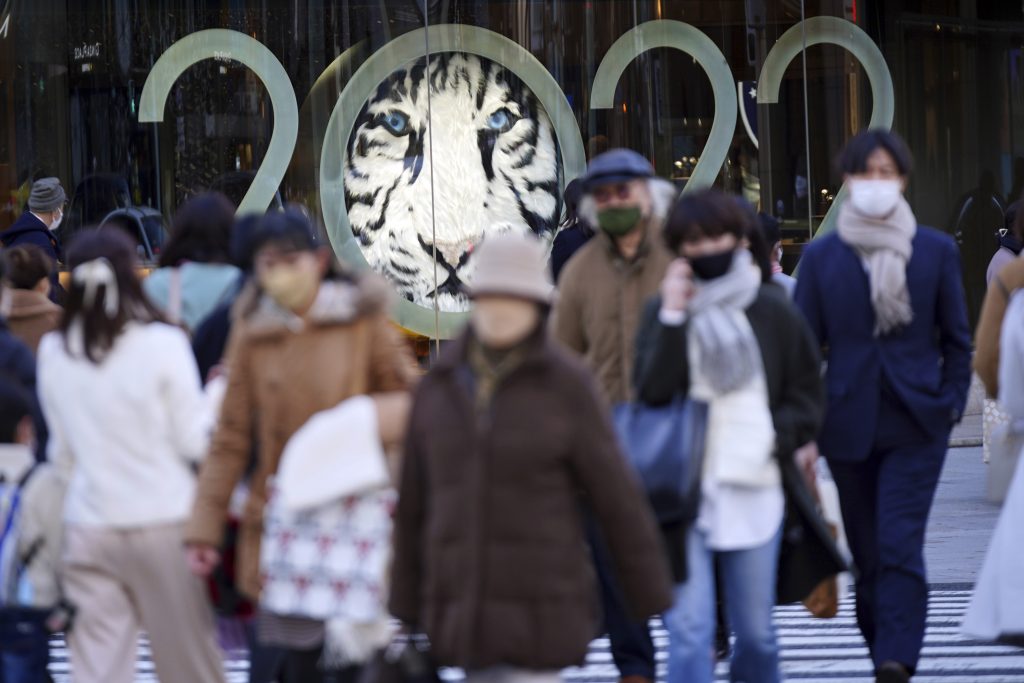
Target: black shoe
(1014, 639)
(722, 649)
(892, 672)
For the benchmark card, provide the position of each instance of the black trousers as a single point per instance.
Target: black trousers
(886, 501)
(271, 664)
(631, 644)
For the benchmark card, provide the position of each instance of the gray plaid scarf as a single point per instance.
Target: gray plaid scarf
(730, 356)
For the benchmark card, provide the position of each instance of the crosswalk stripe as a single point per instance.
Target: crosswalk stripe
(812, 651)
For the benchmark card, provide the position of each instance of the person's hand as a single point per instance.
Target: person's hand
(806, 458)
(216, 371)
(677, 286)
(202, 559)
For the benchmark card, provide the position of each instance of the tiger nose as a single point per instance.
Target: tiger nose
(454, 252)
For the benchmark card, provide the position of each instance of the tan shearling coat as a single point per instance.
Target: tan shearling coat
(283, 370)
(40, 525)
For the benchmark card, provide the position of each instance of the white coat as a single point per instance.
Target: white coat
(995, 608)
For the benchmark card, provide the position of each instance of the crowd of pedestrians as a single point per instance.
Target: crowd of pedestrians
(244, 435)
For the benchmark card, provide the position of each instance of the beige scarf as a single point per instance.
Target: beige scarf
(885, 246)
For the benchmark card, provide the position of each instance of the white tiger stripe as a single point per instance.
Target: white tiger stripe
(813, 650)
(424, 186)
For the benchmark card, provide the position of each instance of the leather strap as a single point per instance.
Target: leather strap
(360, 370)
(174, 297)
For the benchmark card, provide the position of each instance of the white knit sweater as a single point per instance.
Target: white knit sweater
(128, 429)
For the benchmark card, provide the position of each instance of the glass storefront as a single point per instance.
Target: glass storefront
(414, 128)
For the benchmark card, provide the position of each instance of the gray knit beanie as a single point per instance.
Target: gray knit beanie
(47, 195)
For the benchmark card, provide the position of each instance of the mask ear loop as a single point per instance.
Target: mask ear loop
(92, 275)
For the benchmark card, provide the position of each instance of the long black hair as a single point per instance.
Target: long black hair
(89, 300)
(758, 245)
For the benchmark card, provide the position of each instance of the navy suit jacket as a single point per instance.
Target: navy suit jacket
(927, 363)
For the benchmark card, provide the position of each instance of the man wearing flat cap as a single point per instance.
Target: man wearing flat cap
(602, 292)
(35, 226)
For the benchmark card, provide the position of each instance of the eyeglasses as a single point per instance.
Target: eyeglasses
(605, 193)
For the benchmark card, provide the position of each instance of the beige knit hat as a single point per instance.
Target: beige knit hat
(512, 265)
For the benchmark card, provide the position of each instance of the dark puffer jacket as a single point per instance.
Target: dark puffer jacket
(491, 560)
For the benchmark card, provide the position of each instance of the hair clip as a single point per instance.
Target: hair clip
(92, 275)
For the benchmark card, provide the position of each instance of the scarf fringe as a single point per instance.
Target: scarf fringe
(348, 643)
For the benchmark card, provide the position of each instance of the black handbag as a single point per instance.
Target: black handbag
(665, 446)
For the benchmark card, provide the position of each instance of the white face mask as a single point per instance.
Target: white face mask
(56, 221)
(875, 198)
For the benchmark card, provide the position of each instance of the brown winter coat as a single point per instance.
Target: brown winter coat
(31, 316)
(491, 560)
(990, 325)
(600, 298)
(279, 377)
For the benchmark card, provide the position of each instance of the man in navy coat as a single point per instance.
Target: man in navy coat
(884, 297)
(35, 226)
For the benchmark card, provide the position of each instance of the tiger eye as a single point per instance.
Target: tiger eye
(396, 122)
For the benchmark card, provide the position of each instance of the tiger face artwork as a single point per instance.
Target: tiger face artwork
(428, 178)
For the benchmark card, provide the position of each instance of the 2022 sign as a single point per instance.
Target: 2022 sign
(488, 48)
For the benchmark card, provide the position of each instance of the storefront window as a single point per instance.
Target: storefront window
(413, 129)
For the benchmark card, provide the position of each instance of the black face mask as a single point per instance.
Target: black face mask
(713, 265)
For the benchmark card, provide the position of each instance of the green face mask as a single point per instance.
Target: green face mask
(619, 221)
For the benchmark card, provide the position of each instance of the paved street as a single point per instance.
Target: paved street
(831, 651)
(961, 522)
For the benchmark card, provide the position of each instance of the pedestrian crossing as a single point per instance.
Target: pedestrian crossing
(813, 651)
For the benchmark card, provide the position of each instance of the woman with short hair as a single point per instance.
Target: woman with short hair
(306, 336)
(195, 273)
(27, 307)
(721, 334)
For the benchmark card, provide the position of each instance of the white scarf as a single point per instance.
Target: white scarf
(729, 352)
(885, 245)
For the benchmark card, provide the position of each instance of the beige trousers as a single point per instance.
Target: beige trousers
(509, 674)
(124, 581)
